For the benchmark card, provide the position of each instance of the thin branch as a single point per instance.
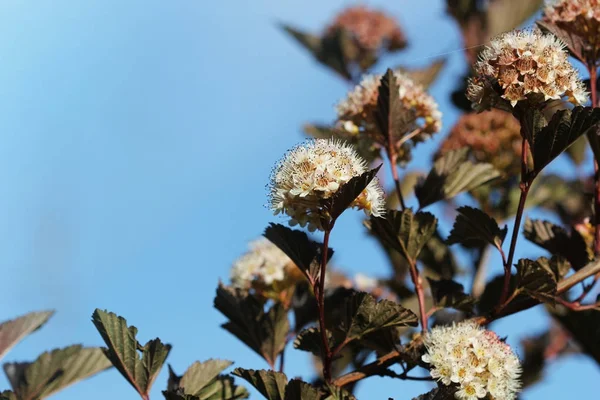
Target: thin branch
(418, 282)
(326, 352)
(576, 306)
(524, 186)
(392, 159)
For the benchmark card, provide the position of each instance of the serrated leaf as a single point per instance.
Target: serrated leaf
(557, 241)
(13, 331)
(363, 314)
(347, 193)
(565, 127)
(473, 224)
(392, 118)
(452, 174)
(202, 381)
(448, 293)
(536, 278)
(123, 349)
(305, 253)
(264, 332)
(310, 340)
(338, 393)
(404, 231)
(270, 384)
(299, 390)
(55, 370)
(200, 374)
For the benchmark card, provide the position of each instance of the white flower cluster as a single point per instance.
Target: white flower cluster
(474, 359)
(265, 263)
(570, 10)
(363, 99)
(525, 63)
(314, 171)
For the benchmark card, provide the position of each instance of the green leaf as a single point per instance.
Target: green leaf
(537, 278)
(265, 333)
(123, 349)
(270, 384)
(305, 253)
(392, 118)
(557, 241)
(473, 224)
(448, 293)
(13, 331)
(404, 231)
(298, 390)
(452, 174)
(565, 127)
(347, 193)
(310, 340)
(8, 395)
(363, 314)
(338, 393)
(202, 381)
(55, 370)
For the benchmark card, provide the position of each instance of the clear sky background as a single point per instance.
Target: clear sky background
(137, 140)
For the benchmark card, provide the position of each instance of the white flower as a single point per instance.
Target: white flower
(525, 65)
(474, 359)
(264, 263)
(363, 99)
(313, 172)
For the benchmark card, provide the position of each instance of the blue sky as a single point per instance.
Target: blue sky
(137, 139)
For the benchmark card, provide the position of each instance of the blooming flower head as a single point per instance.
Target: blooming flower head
(473, 359)
(493, 136)
(356, 116)
(370, 29)
(580, 18)
(313, 172)
(524, 65)
(264, 266)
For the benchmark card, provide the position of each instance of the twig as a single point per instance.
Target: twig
(377, 366)
(392, 159)
(524, 186)
(416, 279)
(326, 352)
(576, 306)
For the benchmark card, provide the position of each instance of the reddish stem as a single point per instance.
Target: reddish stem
(575, 305)
(416, 279)
(326, 352)
(393, 158)
(524, 186)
